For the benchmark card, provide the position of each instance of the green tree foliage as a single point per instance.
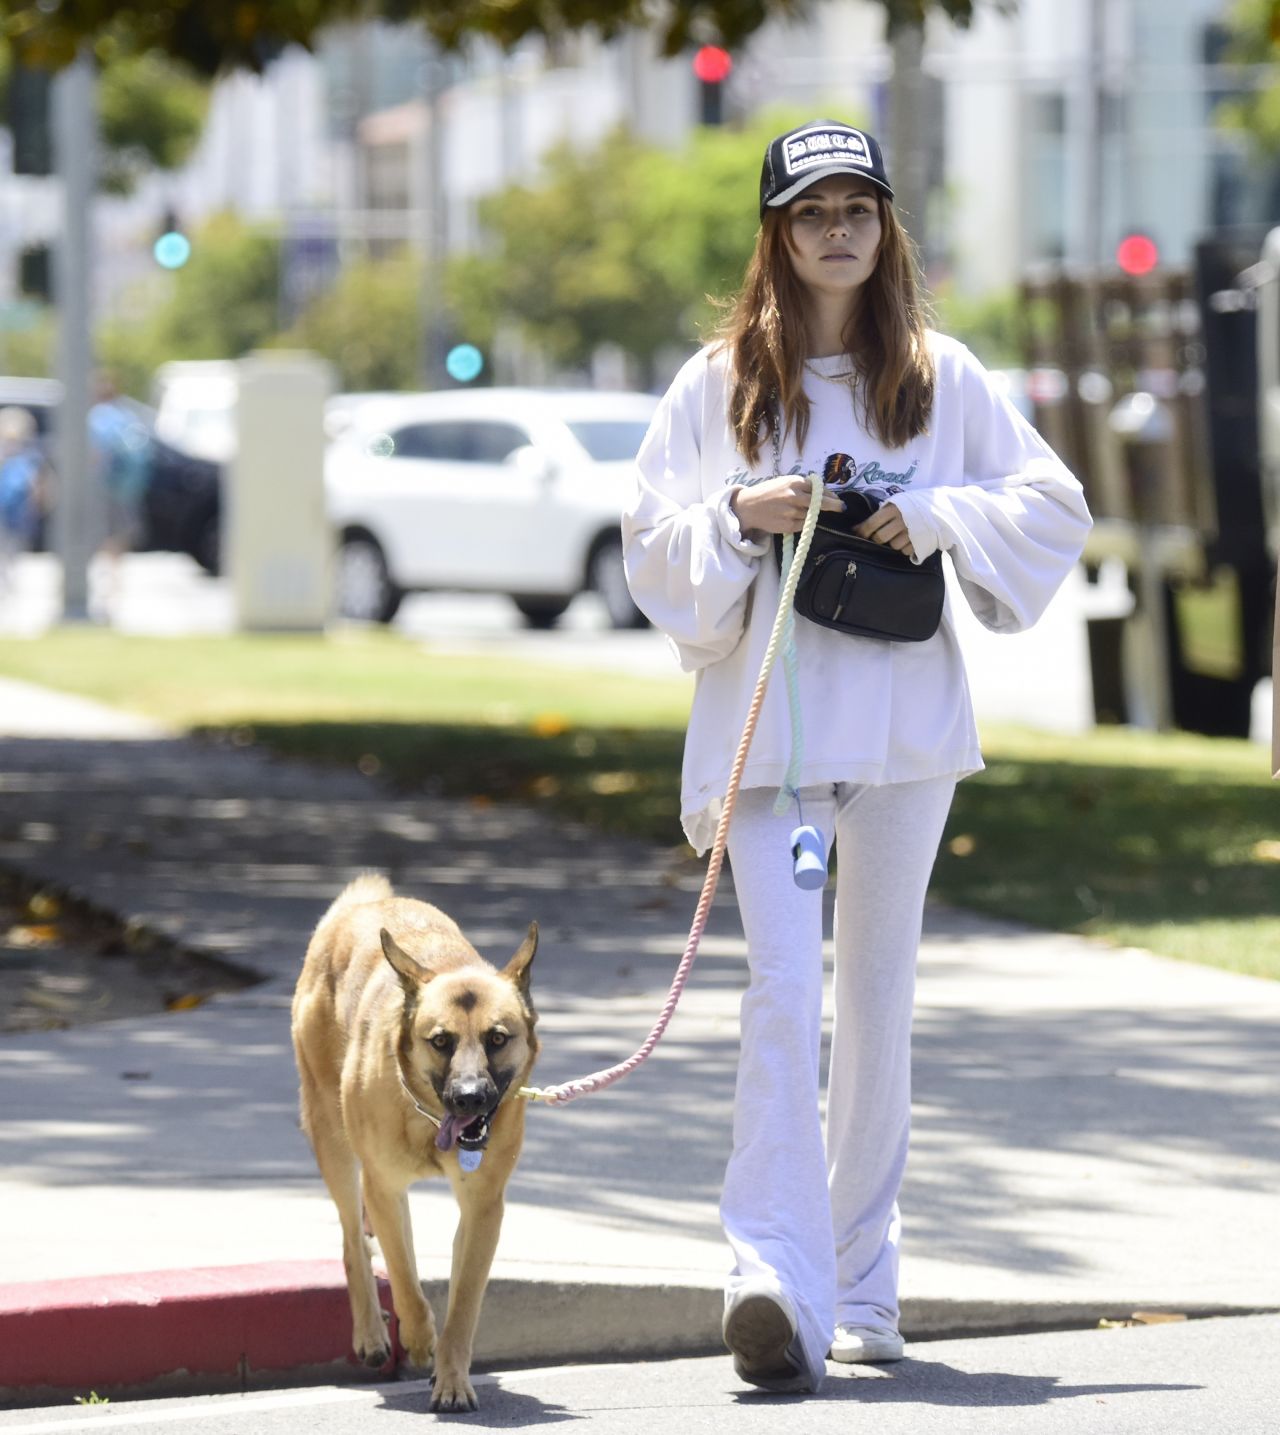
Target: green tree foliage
(368, 325)
(220, 305)
(627, 244)
(151, 112)
(1255, 32)
(569, 266)
(28, 350)
(991, 325)
(225, 297)
(210, 35)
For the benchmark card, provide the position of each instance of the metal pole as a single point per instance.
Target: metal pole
(435, 317)
(908, 161)
(1085, 230)
(74, 141)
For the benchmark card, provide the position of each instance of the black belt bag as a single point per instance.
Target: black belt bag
(856, 586)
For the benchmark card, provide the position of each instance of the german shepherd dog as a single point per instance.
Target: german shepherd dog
(411, 1049)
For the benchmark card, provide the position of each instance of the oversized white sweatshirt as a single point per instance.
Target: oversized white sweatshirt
(980, 484)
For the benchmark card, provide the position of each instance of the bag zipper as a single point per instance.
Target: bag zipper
(846, 588)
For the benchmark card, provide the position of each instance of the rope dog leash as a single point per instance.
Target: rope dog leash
(783, 626)
(789, 787)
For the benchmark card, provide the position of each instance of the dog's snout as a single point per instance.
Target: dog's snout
(470, 1097)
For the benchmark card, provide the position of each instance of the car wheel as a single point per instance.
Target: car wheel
(207, 547)
(608, 578)
(363, 590)
(541, 612)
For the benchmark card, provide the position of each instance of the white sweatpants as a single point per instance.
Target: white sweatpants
(823, 1222)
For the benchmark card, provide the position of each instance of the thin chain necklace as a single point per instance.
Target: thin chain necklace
(845, 379)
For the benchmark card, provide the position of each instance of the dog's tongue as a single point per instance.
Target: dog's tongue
(450, 1129)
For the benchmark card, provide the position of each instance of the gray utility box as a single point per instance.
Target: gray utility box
(275, 535)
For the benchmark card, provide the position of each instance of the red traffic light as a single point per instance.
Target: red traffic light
(1137, 254)
(712, 65)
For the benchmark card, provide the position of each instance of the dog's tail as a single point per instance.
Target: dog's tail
(367, 887)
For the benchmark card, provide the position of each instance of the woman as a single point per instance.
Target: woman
(828, 333)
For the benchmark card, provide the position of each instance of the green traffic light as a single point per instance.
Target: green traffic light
(172, 250)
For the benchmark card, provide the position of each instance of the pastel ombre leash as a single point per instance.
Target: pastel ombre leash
(781, 637)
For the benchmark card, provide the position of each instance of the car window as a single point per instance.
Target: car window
(494, 442)
(438, 441)
(610, 440)
(459, 441)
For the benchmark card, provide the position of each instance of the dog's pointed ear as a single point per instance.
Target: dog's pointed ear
(516, 970)
(410, 971)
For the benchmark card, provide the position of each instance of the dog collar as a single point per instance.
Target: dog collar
(417, 1105)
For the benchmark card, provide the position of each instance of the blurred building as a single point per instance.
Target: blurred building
(1048, 132)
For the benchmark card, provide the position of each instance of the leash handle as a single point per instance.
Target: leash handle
(584, 1086)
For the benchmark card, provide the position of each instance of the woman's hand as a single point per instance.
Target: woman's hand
(886, 525)
(778, 505)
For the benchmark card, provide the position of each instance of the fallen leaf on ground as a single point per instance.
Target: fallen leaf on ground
(183, 1003)
(32, 935)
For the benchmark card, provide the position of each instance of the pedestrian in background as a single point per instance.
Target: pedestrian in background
(21, 478)
(825, 365)
(120, 454)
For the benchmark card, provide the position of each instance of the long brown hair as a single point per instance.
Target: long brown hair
(764, 336)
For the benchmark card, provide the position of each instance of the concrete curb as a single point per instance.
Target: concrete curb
(186, 1329)
(245, 1327)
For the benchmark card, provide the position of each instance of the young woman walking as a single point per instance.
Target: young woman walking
(824, 366)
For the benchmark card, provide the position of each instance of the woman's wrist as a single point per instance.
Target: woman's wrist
(736, 527)
(740, 507)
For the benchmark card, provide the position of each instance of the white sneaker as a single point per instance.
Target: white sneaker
(865, 1345)
(760, 1330)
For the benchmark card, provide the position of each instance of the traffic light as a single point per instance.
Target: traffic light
(29, 120)
(1137, 254)
(34, 273)
(172, 248)
(712, 66)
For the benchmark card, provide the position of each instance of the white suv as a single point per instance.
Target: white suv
(516, 491)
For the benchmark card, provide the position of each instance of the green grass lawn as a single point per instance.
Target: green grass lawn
(1170, 843)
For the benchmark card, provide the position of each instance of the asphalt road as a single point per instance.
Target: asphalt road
(1201, 1376)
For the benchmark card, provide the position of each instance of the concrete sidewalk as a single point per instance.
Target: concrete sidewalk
(1095, 1130)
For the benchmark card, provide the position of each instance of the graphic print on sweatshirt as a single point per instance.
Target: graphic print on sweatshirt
(842, 474)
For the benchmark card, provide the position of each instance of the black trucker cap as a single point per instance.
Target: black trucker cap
(815, 151)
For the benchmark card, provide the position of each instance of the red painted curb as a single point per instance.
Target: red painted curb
(130, 1330)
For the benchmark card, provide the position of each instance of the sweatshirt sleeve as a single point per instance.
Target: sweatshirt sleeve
(1016, 525)
(687, 562)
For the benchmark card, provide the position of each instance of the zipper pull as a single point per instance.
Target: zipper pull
(846, 588)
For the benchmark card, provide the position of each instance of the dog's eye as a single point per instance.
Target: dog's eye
(442, 1041)
(498, 1038)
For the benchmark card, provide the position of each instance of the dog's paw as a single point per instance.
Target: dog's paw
(453, 1394)
(372, 1343)
(418, 1340)
(374, 1354)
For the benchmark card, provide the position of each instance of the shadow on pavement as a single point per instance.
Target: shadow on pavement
(240, 855)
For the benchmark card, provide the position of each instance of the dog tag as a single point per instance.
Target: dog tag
(469, 1160)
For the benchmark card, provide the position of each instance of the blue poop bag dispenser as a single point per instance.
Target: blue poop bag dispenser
(808, 852)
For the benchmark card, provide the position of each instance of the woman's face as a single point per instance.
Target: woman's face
(834, 228)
